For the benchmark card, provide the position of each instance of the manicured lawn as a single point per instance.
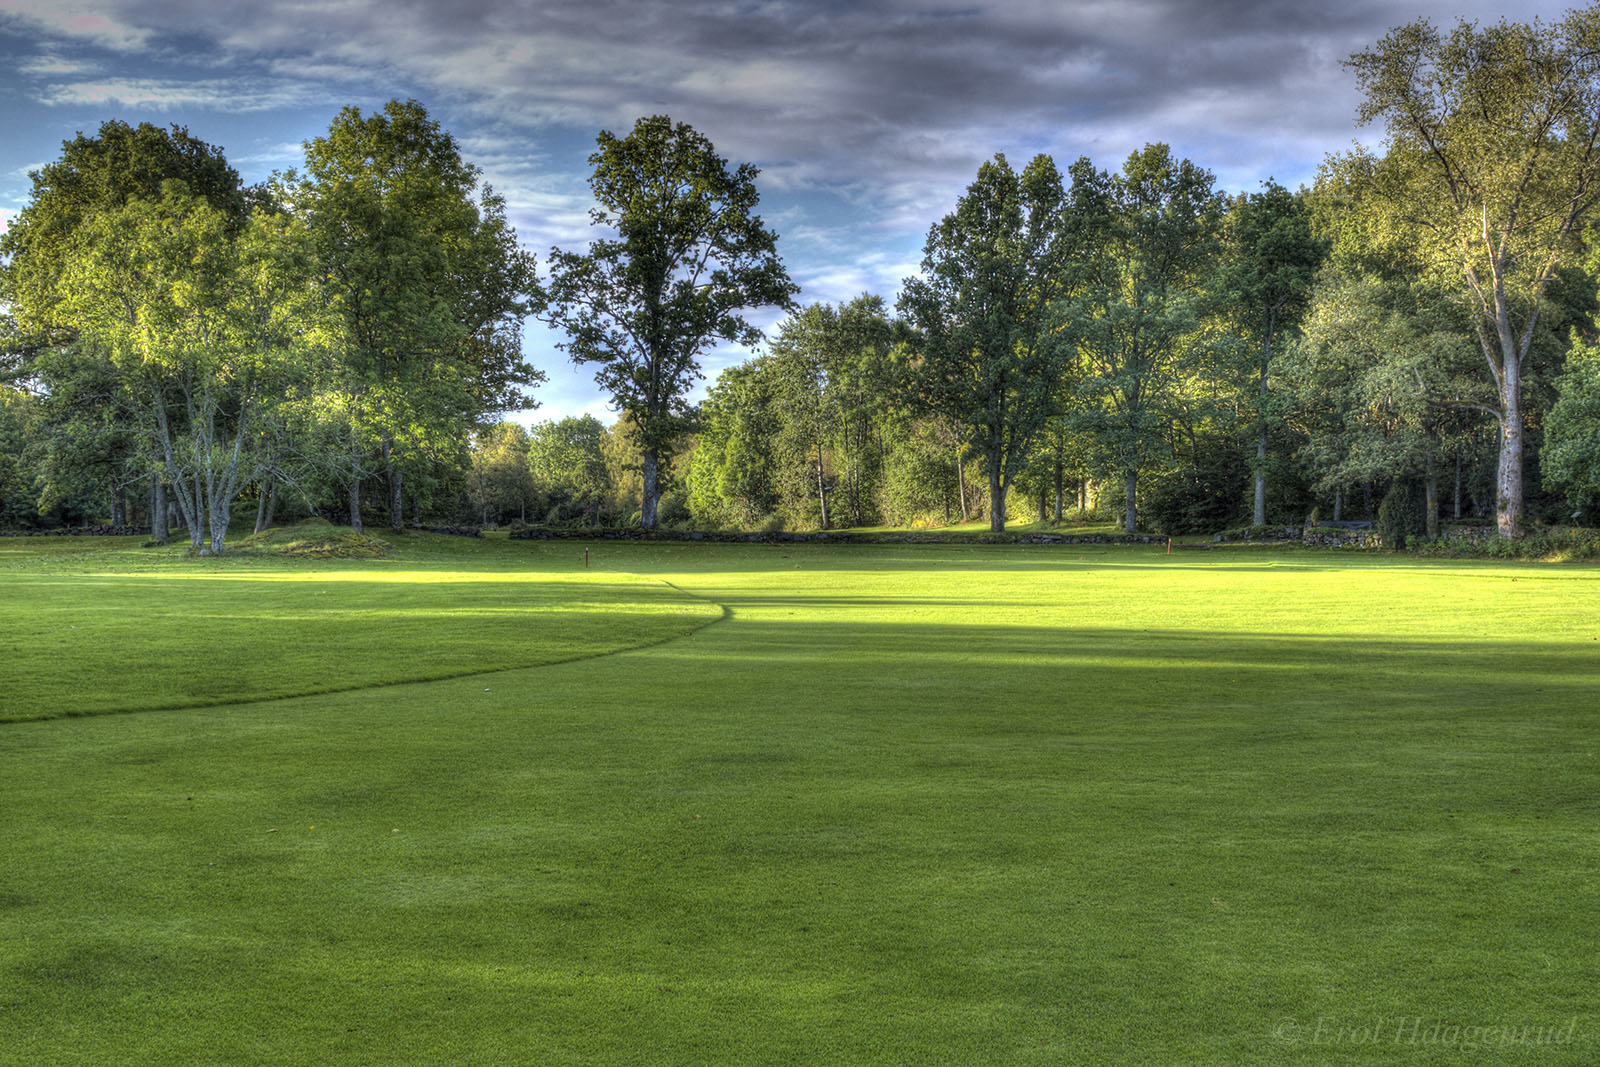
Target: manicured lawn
(140, 630)
(899, 805)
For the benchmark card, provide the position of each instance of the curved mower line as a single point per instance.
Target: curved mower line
(724, 613)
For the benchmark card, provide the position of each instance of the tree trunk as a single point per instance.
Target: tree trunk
(1338, 504)
(1044, 503)
(1458, 487)
(1431, 496)
(262, 519)
(961, 485)
(1130, 485)
(1083, 497)
(822, 489)
(1259, 515)
(119, 508)
(997, 498)
(652, 492)
(219, 525)
(1508, 477)
(1060, 473)
(355, 503)
(397, 509)
(158, 509)
(197, 528)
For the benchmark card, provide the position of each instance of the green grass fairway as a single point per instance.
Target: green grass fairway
(892, 805)
(84, 634)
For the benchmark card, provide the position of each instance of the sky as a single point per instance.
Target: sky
(867, 119)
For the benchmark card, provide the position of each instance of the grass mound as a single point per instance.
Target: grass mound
(317, 539)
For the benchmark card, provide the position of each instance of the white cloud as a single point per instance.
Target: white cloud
(288, 152)
(98, 23)
(233, 96)
(50, 65)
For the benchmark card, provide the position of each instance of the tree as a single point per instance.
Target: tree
(990, 345)
(567, 461)
(689, 255)
(1379, 352)
(1492, 171)
(1139, 312)
(19, 414)
(1273, 260)
(1571, 459)
(499, 478)
(202, 317)
(98, 417)
(736, 473)
(424, 271)
(98, 174)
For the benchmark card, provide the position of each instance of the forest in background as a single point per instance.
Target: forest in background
(1414, 331)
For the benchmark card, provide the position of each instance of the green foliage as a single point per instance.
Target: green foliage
(1401, 518)
(1204, 493)
(690, 255)
(1486, 182)
(429, 287)
(18, 486)
(1548, 544)
(1271, 263)
(1142, 303)
(1386, 382)
(500, 481)
(1571, 456)
(734, 473)
(98, 175)
(920, 485)
(567, 459)
(990, 348)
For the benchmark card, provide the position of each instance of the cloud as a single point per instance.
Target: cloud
(52, 66)
(291, 153)
(896, 102)
(6, 215)
(233, 95)
(97, 23)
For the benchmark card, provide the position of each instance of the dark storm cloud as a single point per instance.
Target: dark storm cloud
(867, 119)
(881, 92)
(888, 105)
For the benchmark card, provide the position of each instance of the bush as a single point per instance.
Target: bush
(1205, 494)
(1400, 515)
(1555, 544)
(671, 510)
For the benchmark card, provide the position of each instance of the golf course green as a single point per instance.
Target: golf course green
(477, 803)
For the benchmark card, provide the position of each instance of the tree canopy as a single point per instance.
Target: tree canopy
(689, 256)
